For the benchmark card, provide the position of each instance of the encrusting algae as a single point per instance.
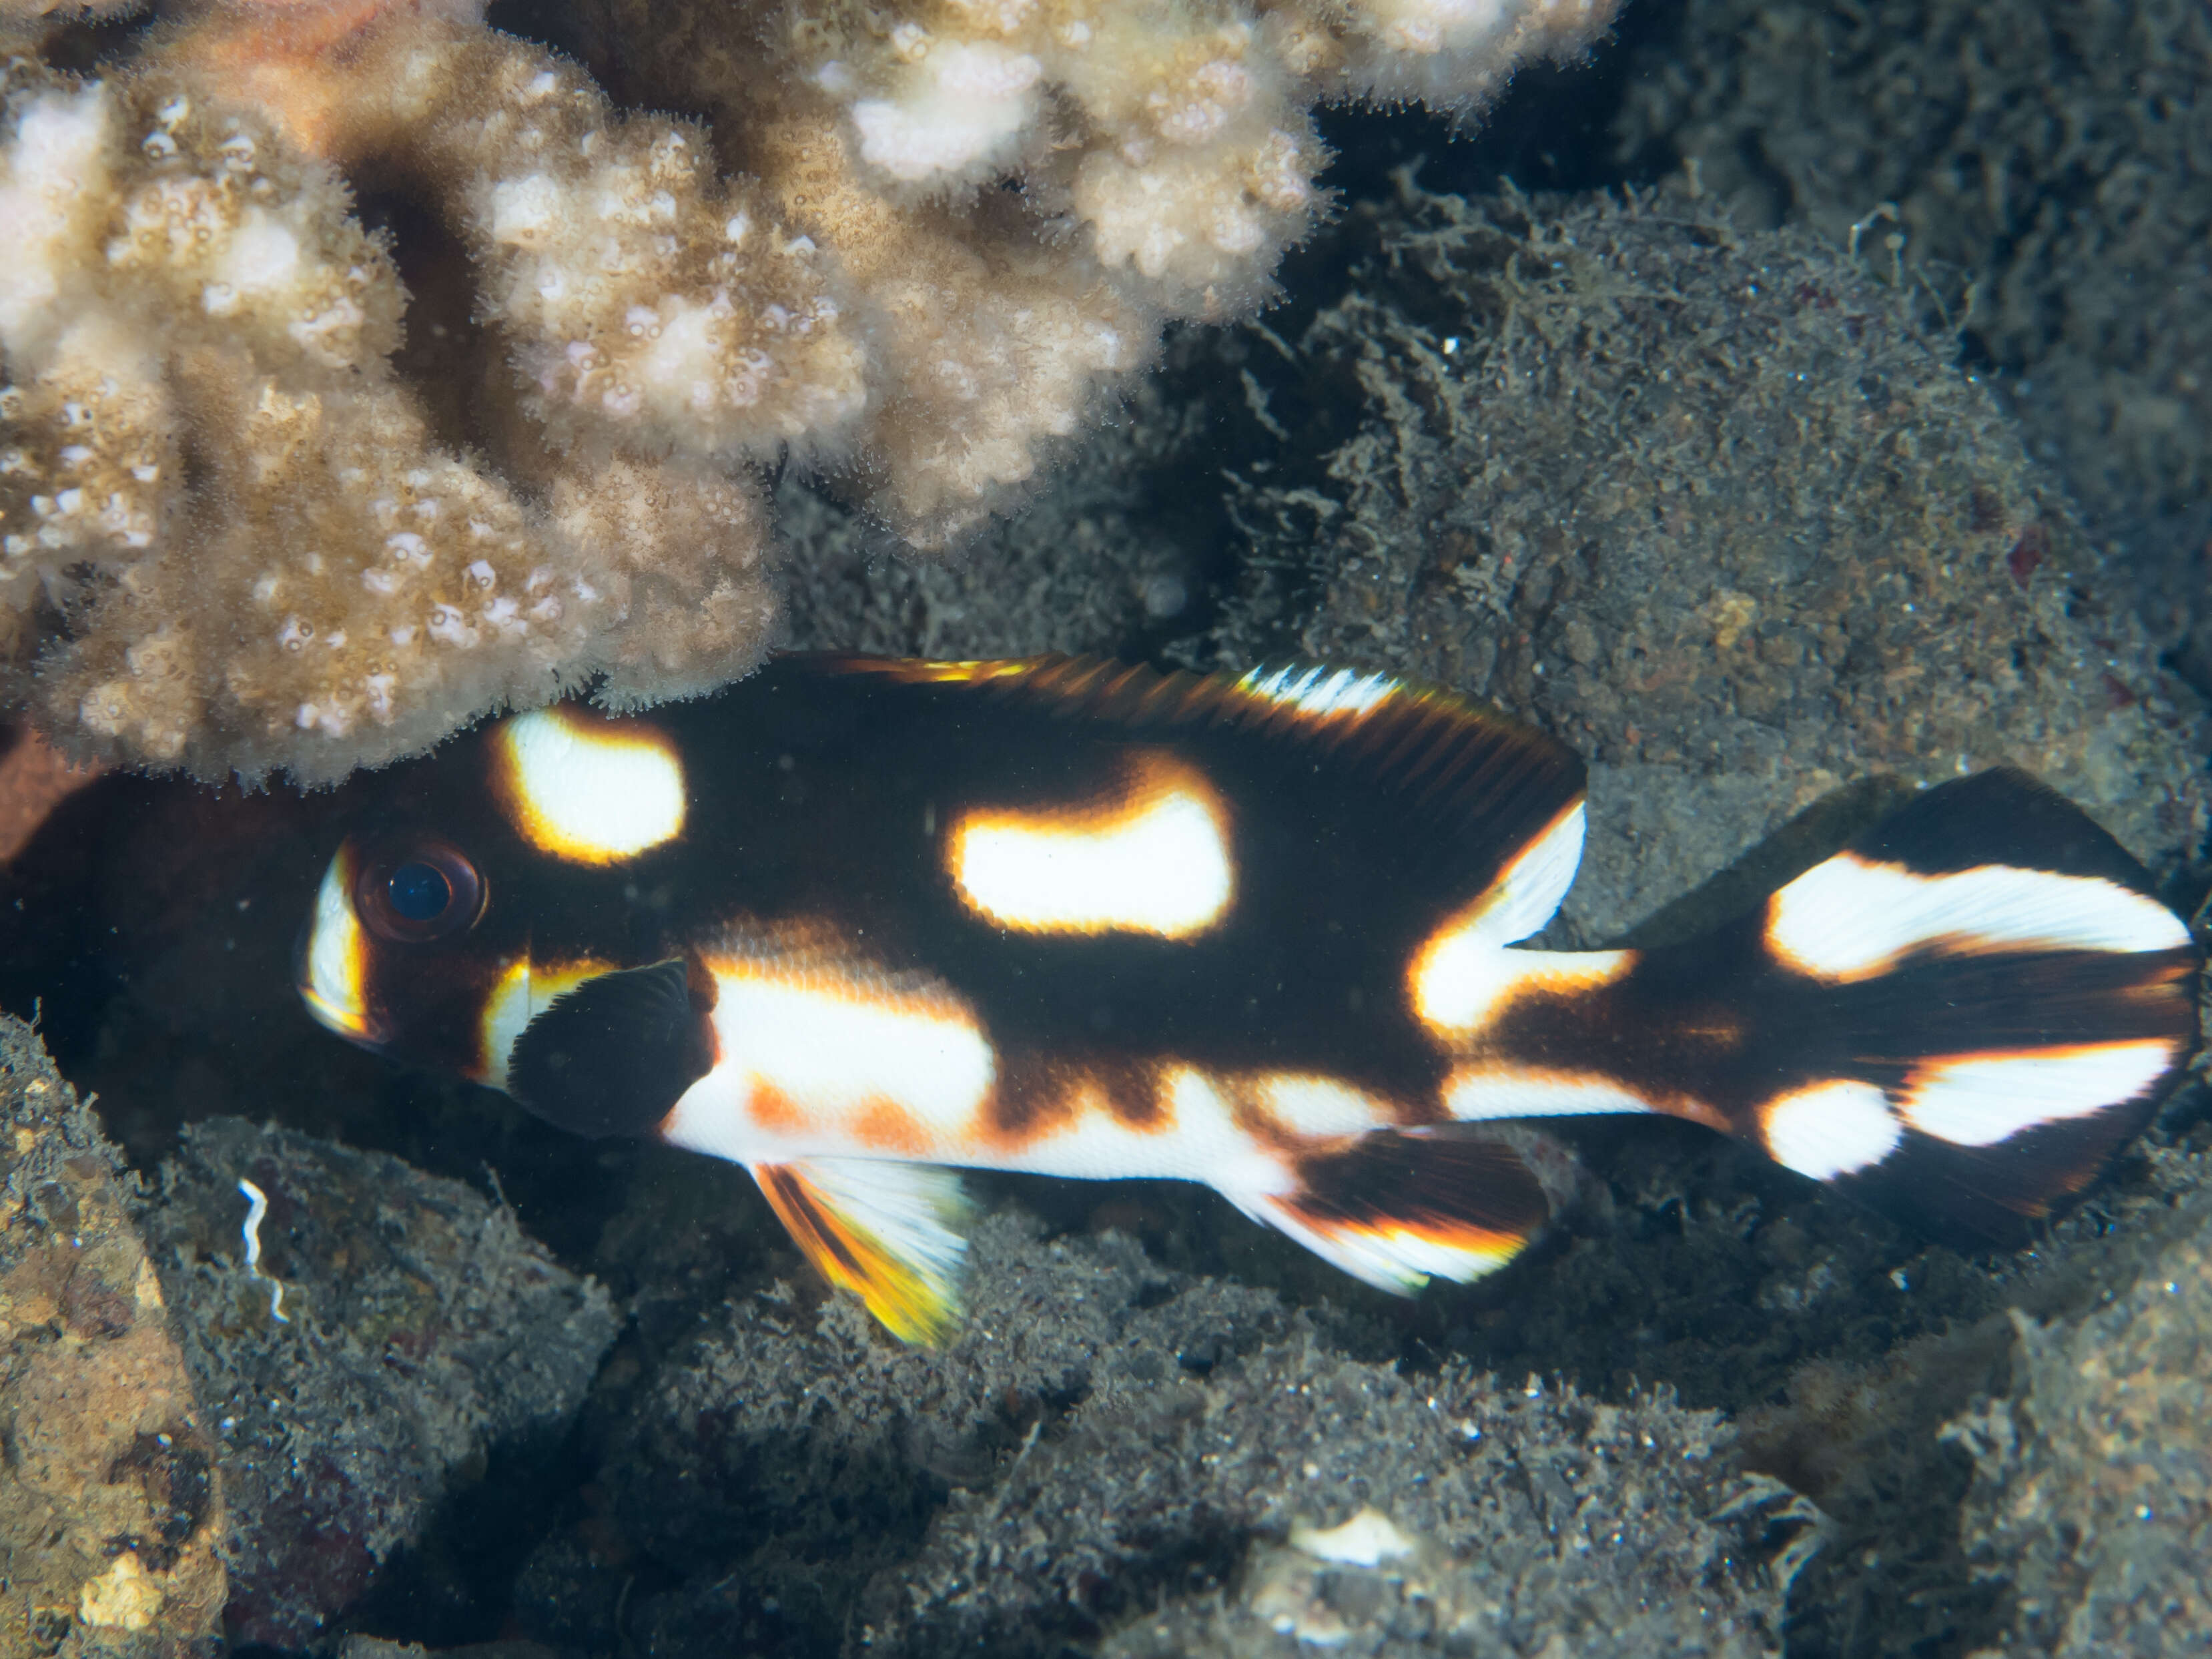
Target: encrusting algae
(917, 251)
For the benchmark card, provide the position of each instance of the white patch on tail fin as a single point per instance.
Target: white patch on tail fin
(1852, 918)
(889, 1233)
(1830, 1129)
(1979, 1100)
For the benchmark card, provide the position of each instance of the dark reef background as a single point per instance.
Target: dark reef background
(1793, 398)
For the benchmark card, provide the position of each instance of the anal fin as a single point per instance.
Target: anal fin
(1396, 1210)
(889, 1233)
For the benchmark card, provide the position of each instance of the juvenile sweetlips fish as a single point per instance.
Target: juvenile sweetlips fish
(855, 920)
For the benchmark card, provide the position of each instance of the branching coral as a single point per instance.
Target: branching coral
(230, 540)
(916, 250)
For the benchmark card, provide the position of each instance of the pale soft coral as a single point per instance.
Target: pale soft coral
(990, 344)
(1161, 157)
(917, 250)
(359, 584)
(1179, 138)
(645, 299)
(329, 586)
(168, 256)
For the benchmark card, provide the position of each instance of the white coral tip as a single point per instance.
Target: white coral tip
(961, 107)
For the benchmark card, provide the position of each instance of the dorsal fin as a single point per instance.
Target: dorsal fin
(1431, 744)
(1478, 786)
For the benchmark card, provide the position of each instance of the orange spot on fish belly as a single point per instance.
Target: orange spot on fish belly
(774, 1111)
(816, 1046)
(884, 1126)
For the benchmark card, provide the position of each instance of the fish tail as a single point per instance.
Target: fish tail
(1960, 1018)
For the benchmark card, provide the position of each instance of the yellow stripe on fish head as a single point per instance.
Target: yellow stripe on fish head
(333, 964)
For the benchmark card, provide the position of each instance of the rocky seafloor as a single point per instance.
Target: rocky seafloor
(1694, 486)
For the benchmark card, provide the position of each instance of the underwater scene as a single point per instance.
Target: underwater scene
(1048, 828)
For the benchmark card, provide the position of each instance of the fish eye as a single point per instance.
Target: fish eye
(419, 892)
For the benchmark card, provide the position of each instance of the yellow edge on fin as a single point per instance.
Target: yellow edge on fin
(885, 1231)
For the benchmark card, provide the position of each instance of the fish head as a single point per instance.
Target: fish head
(489, 880)
(403, 944)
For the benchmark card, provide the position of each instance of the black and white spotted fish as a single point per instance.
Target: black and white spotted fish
(857, 920)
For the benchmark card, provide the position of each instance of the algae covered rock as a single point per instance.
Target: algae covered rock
(419, 1333)
(110, 1509)
(1701, 502)
(1548, 1517)
(2041, 164)
(1106, 1449)
(794, 1452)
(2092, 1498)
(1111, 555)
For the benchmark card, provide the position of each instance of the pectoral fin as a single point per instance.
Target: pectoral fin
(890, 1233)
(611, 1056)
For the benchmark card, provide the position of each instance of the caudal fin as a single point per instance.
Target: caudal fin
(1960, 1017)
(2007, 976)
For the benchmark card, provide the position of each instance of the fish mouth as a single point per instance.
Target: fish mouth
(330, 961)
